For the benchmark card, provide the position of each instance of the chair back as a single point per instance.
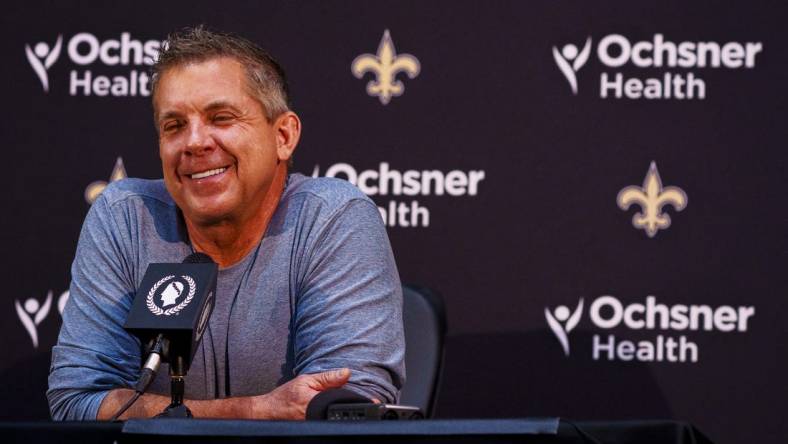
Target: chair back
(424, 318)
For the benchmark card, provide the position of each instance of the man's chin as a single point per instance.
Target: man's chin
(207, 214)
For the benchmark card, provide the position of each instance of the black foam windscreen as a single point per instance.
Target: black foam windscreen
(318, 406)
(198, 258)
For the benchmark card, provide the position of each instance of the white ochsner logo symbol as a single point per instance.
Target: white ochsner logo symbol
(171, 293)
(41, 58)
(570, 60)
(31, 314)
(560, 316)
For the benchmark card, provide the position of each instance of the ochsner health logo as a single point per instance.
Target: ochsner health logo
(673, 67)
(41, 58)
(109, 61)
(32, 313)
(570, 60)
(562, 322)
(405, 188)
(630, 325)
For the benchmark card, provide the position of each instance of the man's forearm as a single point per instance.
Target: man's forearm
(288, 401)
(149, 405)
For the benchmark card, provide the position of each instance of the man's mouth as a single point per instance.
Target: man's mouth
(208, 173)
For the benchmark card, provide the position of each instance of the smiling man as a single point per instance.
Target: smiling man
(308, 295)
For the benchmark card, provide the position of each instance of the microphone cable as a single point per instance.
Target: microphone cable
(148, 375)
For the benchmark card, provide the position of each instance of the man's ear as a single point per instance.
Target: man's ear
(288, 132)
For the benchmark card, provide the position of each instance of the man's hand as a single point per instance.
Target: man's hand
(289, 401)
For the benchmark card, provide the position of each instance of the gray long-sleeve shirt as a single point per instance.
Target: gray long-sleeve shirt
(321, 292)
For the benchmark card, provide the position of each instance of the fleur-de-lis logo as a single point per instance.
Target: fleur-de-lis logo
(651, 198)
(95, 188)
(385, 65)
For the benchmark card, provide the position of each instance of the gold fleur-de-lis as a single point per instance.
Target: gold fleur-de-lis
(385, 65)
(95, 188)
(651, 198)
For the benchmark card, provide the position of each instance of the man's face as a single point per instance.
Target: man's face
(219, 152)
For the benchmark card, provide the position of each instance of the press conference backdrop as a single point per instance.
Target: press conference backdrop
(597, 189)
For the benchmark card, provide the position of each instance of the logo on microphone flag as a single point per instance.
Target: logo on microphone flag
(167, 291)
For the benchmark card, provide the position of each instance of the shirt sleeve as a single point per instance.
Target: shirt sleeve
(349, 307)
(93, 354)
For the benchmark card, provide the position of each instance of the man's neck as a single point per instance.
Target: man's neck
(229, 242)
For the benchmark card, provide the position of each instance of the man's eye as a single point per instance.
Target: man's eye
(172, 126)
(222, 117)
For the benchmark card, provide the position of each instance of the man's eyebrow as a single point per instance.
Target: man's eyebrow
(221, 104)
(168, 115)
(212, 106)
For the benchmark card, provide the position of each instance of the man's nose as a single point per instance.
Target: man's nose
(199, 140)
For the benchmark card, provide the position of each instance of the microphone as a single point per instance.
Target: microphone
(176, 301)
(170, 313)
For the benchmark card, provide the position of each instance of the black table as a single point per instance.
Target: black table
(533, 430)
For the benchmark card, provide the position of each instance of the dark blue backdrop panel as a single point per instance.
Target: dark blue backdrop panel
(596, 189)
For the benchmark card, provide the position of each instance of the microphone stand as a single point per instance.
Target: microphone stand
(176, 409)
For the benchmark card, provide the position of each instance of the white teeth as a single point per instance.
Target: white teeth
(208, 173)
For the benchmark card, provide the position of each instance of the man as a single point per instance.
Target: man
(308, 294)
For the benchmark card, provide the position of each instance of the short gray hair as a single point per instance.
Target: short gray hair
(266, 79)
